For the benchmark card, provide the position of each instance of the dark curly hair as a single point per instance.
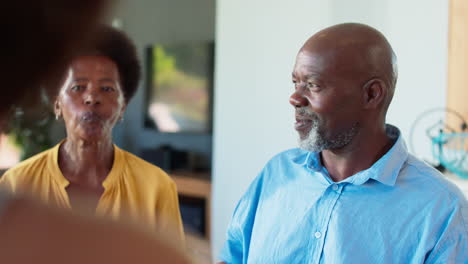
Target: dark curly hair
(118, 47)
(38, 43)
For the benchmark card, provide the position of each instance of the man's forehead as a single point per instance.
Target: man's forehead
(327, 66)
(312, 60)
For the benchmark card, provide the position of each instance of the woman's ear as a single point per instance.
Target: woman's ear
(375, 92)
(122, 112)
(57, 109)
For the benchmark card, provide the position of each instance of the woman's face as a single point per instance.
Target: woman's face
(91, 100)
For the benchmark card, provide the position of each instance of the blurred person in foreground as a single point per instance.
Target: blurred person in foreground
(39, 39)
(93, 95)
(351, 193)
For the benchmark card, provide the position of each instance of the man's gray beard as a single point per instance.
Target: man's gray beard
(316, 141)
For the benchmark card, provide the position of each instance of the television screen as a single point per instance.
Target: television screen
(179, 91)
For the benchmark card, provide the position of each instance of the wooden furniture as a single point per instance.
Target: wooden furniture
(195, 185)
(457, 90)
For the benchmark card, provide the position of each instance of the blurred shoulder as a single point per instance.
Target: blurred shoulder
(28, 221)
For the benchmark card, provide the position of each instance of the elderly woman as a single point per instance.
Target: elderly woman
(94, 92)
(32, 232)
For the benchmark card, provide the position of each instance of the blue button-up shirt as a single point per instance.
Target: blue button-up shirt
(400, 210)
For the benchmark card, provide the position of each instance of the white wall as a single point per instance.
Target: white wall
(257, 41)
(418, 31)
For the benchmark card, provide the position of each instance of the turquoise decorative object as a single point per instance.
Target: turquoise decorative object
(450, 150)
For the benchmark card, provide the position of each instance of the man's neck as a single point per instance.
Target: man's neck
(86, 163)
(359, 155)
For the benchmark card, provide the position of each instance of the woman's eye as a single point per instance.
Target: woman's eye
(107, 89)
(77, 88)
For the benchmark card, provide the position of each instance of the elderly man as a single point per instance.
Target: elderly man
(352, 193)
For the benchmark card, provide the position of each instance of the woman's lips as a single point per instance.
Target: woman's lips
(91, 117)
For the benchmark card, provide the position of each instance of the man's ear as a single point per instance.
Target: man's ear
(374, 93)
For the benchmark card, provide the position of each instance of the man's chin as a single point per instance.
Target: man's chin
(303, 135)
(308, 146)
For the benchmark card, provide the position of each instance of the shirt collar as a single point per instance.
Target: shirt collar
(385, 170)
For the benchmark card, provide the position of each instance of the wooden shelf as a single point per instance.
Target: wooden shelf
(457, 61)
(196, 185)
(192, 184)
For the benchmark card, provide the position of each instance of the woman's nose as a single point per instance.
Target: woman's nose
(92, 98)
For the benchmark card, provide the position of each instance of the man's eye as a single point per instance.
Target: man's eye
(295, 84)
(311, 85)
(107, 89)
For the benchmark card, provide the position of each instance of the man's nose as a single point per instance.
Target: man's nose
(297, 99)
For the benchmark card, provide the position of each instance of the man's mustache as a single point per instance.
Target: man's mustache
(306, 113)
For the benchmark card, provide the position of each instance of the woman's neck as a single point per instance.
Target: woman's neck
(86, 163)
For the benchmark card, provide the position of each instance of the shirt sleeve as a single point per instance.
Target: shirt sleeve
(452, 245)
(236, 246)
(168, 213)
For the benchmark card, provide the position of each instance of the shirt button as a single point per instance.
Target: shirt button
(317, 234)
(335, 187)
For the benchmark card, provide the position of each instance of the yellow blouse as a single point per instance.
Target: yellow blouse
(134, 189)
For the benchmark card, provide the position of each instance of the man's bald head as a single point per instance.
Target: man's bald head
(356, 50)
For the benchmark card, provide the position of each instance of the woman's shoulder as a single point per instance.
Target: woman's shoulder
(25, 171)
(31, 164)
(144, 170)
